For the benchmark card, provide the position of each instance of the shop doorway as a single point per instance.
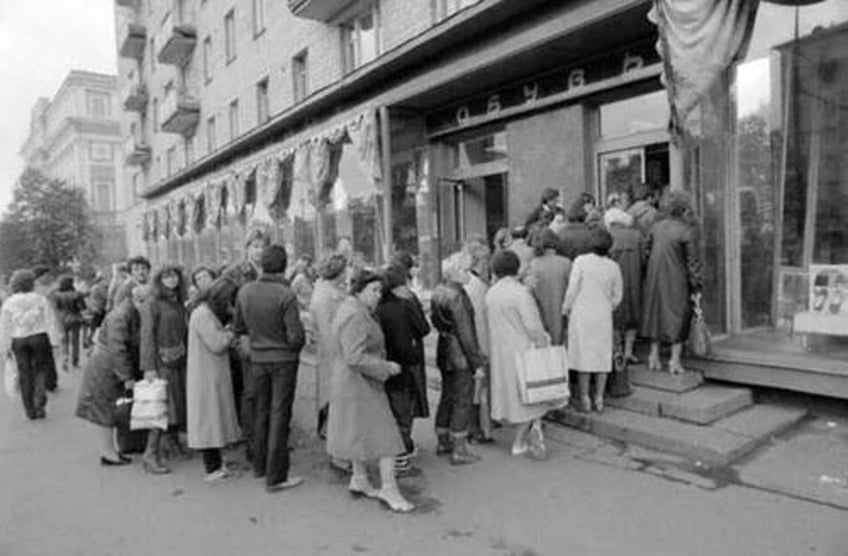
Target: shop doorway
(621, 170)
(481, 206)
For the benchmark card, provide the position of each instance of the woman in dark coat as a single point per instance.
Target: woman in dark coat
(164, 333)
(628, 250)
(404, 326)
(69, 304)
(673, 277)
(112, 369)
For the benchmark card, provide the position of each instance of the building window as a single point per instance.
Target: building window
(102, 196)
(188, 147)
(234, 119)
(171, 160)
(97, 104)
(151, 53)
(230, 34)
(300, 76)
(263, 114)
(360, 37)
(155, 115)
(207, 59)
(210, 134)
(136, 182)
(258, 17)
(445, 8)
(100, 152)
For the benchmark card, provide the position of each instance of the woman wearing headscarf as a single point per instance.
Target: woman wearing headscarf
(673, 277)
(361, 426)
(112, 370)
(164, 332)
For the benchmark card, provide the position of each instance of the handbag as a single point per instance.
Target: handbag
(618, 383)
(700, 343)
(150, 405)
(543, 375)
(11, 381)
(128, 441)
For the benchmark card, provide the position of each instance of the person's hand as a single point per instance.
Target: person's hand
(480, 373)
(394, 369)
(540, 340)
(150, 376)
(128, 384)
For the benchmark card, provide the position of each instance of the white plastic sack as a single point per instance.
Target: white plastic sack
(150, 405)
(11, 382)
(543, 375)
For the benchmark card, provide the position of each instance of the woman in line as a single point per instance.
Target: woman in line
(28, 330)
(112, 369)
(594, 291)
(628, 250)
(211, 411)
(515, 326)
(163, 355)
(361, 426)
(69, 304)
(672, 278)
(201, 278)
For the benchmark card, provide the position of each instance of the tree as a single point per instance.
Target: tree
(47, 223)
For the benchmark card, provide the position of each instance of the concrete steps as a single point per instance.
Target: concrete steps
(701, 406)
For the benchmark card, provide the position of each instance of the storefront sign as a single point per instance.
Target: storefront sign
(542, 89)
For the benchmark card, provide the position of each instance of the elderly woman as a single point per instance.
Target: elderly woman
(28, 330)
(163, 355)
(361, 425)
(673, 277)
(210, 407)
(112, 369)
(594, 291)
(326, 298)
(628, 250)
(515, 326)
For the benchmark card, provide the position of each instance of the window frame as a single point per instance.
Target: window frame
(207, 59)
(109, 186)
(211, 135)
(350, 35)
(233, 119)
(300, 75)
(230, 50)
(263, 106)
(259, 23)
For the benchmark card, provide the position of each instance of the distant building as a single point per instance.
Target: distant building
(76, 137)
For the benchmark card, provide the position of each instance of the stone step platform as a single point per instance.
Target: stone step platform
(663, 380)
(717, 444)
(702, 406)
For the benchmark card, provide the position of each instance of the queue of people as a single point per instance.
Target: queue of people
(227, 342)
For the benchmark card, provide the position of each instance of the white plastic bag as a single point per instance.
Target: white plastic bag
(150, 405)
(11, 381)
(543, 375)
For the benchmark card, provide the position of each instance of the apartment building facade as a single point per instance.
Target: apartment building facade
(415, 123)
(76, 137)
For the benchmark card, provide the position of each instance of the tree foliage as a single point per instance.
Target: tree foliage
(47, 223)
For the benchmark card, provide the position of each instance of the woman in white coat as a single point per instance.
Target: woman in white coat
(594, 291)
(210, 409)
(515, 326)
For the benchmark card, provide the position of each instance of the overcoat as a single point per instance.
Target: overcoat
(361, 425)
(114, 361)
(163, 349)
(513, 323)
(210, 406)
(628, 250)
(327, 297)
(673, 274)
(548, 280)
(594, 291)
(576, 239)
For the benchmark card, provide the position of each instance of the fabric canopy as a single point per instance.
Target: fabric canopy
(698, 41)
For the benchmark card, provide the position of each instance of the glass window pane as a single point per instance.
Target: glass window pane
(647, 112)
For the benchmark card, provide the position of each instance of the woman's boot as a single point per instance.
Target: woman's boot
(461, 454)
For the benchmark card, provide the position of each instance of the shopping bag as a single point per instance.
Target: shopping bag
(11, 382)
(543, 375)
(700, 343)
(128, 441)
(150, 405)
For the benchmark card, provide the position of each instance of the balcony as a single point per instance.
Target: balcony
(132, 39)
(180, 40)
(321, 10)
(137, 152)
(136, 97)
(180, 113)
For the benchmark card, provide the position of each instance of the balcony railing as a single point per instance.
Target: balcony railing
(135, 98)
(180, 41)
(180, 113)
(132, 40)
(137, 152)
(321, 10)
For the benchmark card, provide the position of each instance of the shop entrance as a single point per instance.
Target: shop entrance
(481, 206)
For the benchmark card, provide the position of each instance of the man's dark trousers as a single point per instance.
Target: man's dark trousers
(274, 387)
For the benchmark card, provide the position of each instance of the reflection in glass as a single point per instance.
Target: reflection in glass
(637, 114)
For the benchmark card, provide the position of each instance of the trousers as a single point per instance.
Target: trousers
(456, 401)
(33, 355)
(274, 387)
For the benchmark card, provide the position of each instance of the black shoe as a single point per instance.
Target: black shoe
(106, 462)
(40, 414)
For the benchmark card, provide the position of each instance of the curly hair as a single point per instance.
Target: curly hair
(159, 289)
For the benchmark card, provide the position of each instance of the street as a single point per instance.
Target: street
(591, 497)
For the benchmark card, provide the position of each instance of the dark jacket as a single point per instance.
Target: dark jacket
(164, 334)
(232, 280)
(69, 306)
(576, 239)
(267, 312)
(453, 316)
(404, 326)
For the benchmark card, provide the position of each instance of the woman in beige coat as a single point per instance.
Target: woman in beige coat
(361, 426)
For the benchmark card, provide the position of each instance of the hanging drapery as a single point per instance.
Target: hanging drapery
(181, 219)
(191, 212)
(213, 205)
(145, 226)
(698, 41)
(301, 204)
(154, 224)
(267, 187)
(235, 195)
(364, 133)
(198, 221)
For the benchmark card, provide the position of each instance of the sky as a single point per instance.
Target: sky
(41, 41)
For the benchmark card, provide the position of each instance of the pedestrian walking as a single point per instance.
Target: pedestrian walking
(111, 371)
(210, 407)
(69, 305)
(163, 355)
(267, 312)
(28, 332)
(594, 291)
(361, 426)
